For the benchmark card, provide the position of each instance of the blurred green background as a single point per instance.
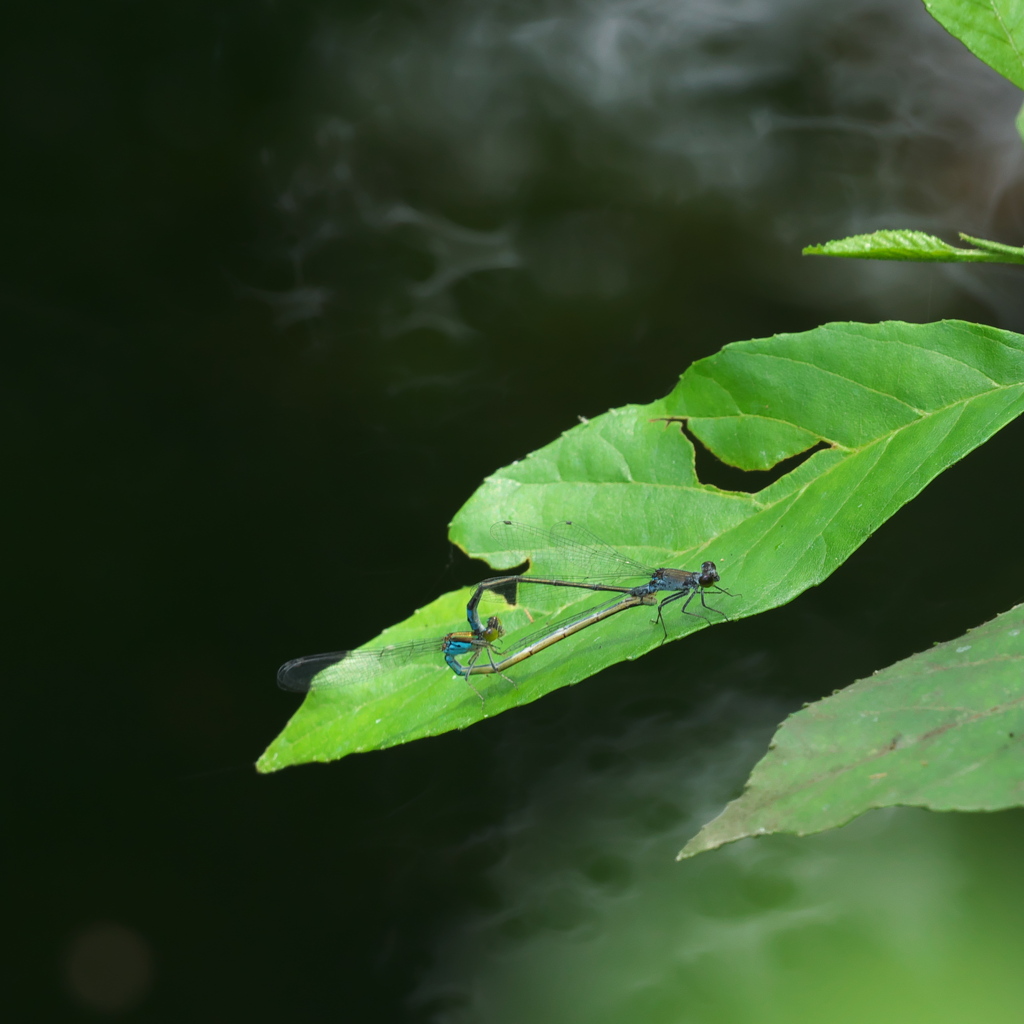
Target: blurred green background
(281, 285)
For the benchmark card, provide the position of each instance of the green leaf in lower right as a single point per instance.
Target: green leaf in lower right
(943, 730)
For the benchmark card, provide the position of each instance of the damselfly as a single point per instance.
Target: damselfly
(576, 558)
(323, 672)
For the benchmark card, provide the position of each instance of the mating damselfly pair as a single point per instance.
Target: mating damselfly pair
(574, 558)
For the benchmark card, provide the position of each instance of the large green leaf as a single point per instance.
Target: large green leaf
(895, 404)
(942, 730)
(991, 29)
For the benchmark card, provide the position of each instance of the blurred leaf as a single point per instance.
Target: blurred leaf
(942, 730)
(895, 403)
(916, 246)
(991, 29)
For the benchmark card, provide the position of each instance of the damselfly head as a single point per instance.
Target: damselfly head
(709, 574)
(493, 631)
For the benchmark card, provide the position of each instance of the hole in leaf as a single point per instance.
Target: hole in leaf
(711, 469)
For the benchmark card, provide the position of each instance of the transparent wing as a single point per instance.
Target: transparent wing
(342, 668)
(297, 675)
(567, 550)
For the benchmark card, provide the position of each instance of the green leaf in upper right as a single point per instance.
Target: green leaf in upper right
(991, 29)
(915, 246)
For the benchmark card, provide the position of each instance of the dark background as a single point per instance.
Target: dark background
(282, 284)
